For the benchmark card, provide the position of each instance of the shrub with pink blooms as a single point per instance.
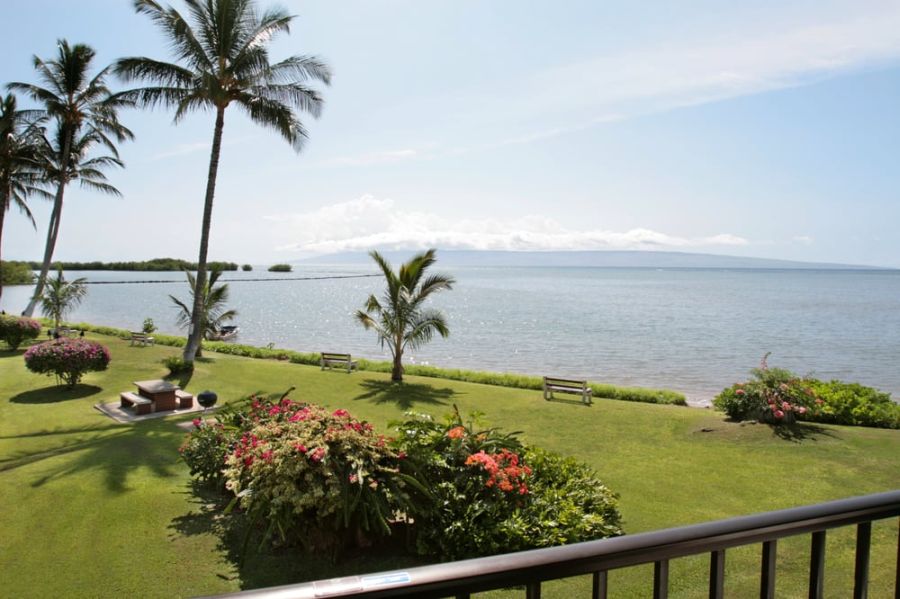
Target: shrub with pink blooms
(67, 359)
(774, 395)
(312, 476)
(17, 329)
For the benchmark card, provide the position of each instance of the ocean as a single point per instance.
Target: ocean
(690, 330)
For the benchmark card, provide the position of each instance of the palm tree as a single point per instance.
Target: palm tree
(61, 297)
(223, 59)
(213, 314)
(84, 110)
(19, 174)
(400, 318)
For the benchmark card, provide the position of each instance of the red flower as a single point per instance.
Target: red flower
(778, 414)
(341, 413)
(740, 392)
(457, 432)
(197, 422)
(300, 447)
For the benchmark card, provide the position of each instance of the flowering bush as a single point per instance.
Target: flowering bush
(14, 330)
(316, 477)
(490, 494)
(774, 395)
(67, 359)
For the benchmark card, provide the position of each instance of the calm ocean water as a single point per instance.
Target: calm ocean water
(694, 331)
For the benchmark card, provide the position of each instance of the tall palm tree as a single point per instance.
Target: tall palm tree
(214, 314)
(83, 109)
(400, 319)
(61, 297)
(19, 174)
(223, 59)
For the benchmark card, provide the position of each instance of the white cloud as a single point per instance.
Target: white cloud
(372, 158)
(368, 222)
(804, 239)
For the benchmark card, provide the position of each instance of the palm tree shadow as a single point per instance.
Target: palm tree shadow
(799, 432)
(55, 394)
(405, 395)
(181, 379)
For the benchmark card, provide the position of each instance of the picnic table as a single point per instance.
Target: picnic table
(160, 392)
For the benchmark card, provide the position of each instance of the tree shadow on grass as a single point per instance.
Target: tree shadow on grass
(258, 564)
(55, 394)
(116, 455)
(801, 431)
(181, 379)
(405, 395)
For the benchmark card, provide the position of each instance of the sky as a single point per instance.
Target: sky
(766, 128)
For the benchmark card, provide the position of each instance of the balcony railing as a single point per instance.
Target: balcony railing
(531, 568)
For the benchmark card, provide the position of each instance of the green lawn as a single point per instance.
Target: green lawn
(94, 508)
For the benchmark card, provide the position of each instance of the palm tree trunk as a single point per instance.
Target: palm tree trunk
(52, 234)
(397, 370)
(195, 333)
(53, 228)
(4, 204)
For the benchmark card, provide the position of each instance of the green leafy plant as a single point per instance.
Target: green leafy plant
(854, 404)
(205, 450)
(67, 359)
(16, 330)
(215, 297)
(149, 326)
(246, 268)
(61, 297)
(281, 268)
(491, 494)
(177, 365)
(15, 273)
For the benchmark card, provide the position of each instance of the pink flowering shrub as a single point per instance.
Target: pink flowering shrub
(67, 359)
(205, 450)
(15, 330)
(774, 395)
(314, 476)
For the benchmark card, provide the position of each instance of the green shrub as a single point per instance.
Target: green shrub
(149, 326)
(67, 359)
(854, 404)
(205, 449)
(490, 494)
(177, 365)
(281, 268)
(246, 268)
(17, 329)
(15, 273)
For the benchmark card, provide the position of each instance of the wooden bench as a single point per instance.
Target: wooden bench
(553, 384)
(142, 405)
(331, 359)
(185, 399)
(141, 339)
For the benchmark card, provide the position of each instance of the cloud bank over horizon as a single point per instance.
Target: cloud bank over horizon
(368, 222)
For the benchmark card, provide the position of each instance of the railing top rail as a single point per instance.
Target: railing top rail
(581, 558)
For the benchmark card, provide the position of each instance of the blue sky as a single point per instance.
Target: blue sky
(766, 129)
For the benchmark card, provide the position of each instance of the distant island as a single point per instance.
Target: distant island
(598, 258)
(154, 265)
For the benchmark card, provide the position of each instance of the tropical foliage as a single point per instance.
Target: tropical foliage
(281, 268)
(401, 318)
(61, 297)
(14, 272)
(223, 59)
(67, 359)
(19, 174)
(491, 494)
(16, 330)
(156, 264)
(213, 311)
(85, 116)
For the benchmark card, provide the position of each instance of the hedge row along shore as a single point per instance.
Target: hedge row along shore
(639, 394)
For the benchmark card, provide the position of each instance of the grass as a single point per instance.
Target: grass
(92, 508)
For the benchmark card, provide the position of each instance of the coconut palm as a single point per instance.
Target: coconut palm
(401, 319)
(19, 175)
(213, 314)
(83, 109)
(61, 297)
(223, 59)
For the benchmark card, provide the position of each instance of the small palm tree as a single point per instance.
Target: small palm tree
(61, 297)
(223, 59)
(20, 176)
(84, 112)
(400, 319)
(214, 314)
